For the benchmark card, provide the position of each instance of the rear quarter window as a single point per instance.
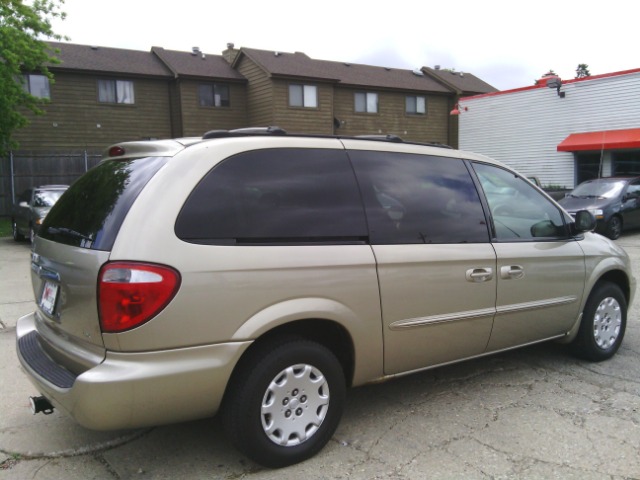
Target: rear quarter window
(276, 196)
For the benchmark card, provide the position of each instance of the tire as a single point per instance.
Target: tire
(614, 228)
(604, 321)
(17, 236)
(284, 402)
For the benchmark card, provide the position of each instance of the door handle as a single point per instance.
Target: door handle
(479, 275)
(514, 272)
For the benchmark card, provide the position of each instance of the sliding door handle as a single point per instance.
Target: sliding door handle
(479, 275)
(512, 272)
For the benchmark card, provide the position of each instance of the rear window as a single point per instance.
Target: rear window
(90, 213)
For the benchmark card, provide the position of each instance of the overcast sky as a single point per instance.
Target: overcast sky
(508, 44)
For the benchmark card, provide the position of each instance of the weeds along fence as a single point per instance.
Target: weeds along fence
(21, 170)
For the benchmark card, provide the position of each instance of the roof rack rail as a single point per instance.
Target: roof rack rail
(381, 138)
(274, 130)
(240, 132)
(439, 145)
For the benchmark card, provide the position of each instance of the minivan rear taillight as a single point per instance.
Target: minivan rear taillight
(130, 293)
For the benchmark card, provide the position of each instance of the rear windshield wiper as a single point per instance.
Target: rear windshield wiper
(68, 232)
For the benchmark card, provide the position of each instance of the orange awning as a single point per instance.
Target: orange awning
(605, 140)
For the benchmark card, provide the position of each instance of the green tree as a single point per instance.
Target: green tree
(582, 70)
(22, 27)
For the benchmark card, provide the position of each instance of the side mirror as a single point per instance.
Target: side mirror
(584, 222)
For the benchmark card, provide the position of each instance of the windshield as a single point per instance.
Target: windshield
(601, 188)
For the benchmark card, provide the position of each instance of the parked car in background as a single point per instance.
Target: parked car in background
(260, 274)
(554, 191)
(30, 209)
(614, 201)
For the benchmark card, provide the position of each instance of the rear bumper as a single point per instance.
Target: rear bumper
(132, 390)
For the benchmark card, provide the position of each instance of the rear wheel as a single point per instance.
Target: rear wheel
(603, 323)
(285, 402)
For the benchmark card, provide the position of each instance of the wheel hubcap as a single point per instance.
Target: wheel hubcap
(294, 405)
(607, 323)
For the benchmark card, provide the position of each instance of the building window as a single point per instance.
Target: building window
(214, 95)
(37, 86)
(625, 163)
(116, 91)
(366, 102)
(416, 105)
(588, 166)
(303, 96)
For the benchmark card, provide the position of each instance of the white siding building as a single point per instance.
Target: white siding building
(590, 127)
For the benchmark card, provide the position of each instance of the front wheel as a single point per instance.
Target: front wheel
(614, 228)
(603, 323)
(284, 402)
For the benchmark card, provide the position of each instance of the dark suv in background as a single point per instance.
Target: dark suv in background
(30, 209)
(614, 201)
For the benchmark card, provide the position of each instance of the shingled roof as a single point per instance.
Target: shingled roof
(197, 64)
(87, 58)
(299, 65)
(171, 63)
(465, 83)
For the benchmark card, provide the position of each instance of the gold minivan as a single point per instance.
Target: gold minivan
(259, 275)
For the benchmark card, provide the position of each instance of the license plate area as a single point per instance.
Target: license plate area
(48, 298)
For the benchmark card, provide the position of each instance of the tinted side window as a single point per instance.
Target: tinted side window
(634, 189)
(276, 196)
(519, 211)
(419, 199)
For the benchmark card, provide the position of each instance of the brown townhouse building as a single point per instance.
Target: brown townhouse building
(102, 95)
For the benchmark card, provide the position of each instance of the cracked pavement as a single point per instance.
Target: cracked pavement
(535, 412)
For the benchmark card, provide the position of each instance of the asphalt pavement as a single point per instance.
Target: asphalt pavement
(536, 412)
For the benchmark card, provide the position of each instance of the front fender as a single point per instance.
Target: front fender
(603, 260)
